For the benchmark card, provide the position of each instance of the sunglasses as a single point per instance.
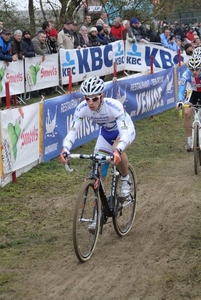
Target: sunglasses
(94, 99)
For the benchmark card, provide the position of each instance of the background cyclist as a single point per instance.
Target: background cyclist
(117, 131)
(192, 76)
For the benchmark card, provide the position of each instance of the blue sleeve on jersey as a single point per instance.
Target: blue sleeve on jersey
(186, 77)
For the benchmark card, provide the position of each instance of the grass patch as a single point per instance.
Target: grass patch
(36, 213)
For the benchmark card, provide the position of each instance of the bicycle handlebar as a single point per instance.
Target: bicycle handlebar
(92, 156)
(190, 105)
(88, 156)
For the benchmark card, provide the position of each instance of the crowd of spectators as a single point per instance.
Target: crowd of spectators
(48, 40)
(181, 36)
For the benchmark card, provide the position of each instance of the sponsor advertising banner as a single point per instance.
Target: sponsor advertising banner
(41, 72)
(12, 72)
(137, 57)
(147, 95)
(19, 137)
(91, 61)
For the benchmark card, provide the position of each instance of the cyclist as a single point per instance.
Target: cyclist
(117, 131)
(192, 76)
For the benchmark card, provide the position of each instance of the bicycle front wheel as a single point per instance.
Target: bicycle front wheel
(196, 147)
(86, 222)
(125, 210)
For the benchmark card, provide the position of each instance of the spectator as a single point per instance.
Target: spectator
(27, 44)
(178, 32)
(196, 28)
(1, 26)
(40, 44)
(93, 39)
(47, 27)
(87, 22)
(190, 35)
(153, 35)
(174, 42)
(102, 20)
(106, 30)
(127, 33)
(16, 44)
(5, 47)
(101, 36)
(171, 28)
(166, 42)
(52, 41)
(117, 29)
(188, 48)
(75, 35)
(84, 39)
(52, 24)
(65, 36)
(179, 44)
(138, 31)
(199, 28)
(196, 42)
(183, 43)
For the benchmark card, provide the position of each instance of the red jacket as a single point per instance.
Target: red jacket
(118, 32)
(190, 36)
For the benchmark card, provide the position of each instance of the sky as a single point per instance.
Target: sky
(23, 4)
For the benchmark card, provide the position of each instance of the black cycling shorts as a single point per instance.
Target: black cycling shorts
(195, 96)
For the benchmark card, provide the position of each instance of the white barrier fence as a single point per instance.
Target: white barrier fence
(43, 71)
(35, 132)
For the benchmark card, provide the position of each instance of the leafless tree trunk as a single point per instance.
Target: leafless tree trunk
(32, 18)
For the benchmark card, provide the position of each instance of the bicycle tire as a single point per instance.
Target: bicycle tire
(196, 147)
(87, 203)
(125, 210)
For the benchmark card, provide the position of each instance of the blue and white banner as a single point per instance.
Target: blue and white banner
(179, 71)
(148, 95)
(141, 96)
(137, 57)
(91, 61)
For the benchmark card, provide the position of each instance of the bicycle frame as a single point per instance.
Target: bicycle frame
(196, 119)
(93, 208)
(97, 161)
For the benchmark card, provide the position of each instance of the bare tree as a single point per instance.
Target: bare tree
(32, 17)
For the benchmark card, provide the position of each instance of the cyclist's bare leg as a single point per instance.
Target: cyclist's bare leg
(123, 165)
(188, 121)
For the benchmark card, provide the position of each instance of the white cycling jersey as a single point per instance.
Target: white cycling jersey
(113, 120)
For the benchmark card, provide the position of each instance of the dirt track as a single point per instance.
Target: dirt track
(159, 259)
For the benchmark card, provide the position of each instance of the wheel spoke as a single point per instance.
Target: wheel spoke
(86, 210)
(125, 215)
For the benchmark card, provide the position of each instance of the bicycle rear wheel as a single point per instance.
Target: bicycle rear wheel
(196, 147)
(87, 210)
(125, 210)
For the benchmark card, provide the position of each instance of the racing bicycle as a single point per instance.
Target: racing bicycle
(93, 205)
(196, 134)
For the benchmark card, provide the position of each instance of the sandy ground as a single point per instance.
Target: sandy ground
(159, 259)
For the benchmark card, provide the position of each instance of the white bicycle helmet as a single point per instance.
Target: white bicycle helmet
(194, 63)
(197, 51)
(92, 86)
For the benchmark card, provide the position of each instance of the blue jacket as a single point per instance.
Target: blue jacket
(5, 50)
(168, 44)
(28, 47)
